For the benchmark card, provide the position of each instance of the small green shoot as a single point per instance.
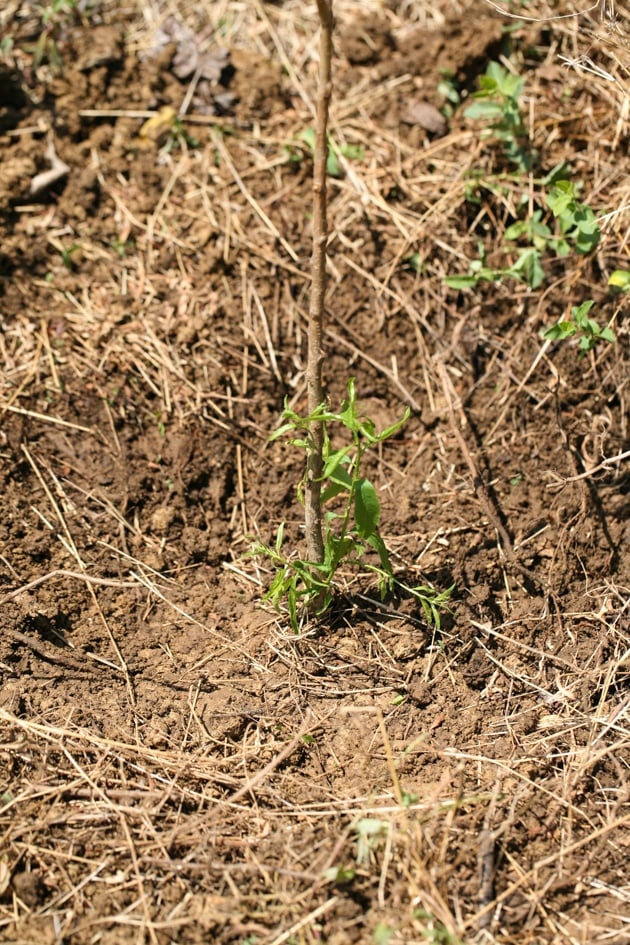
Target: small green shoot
(341, 875)
(179, 138)
(498, 102)
(448, 88)
(352, 514)
(579, 230)
(416, 263)
(434, 931)
(351, 152)
(55, 17)
(382, 933)
(370, 831)
(577, 222)
(586, 329)
(67, 254)
(123, 247)
(620, 279)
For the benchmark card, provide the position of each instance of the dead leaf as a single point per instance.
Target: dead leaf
(426, 115)
(157, 127)
(190, 60)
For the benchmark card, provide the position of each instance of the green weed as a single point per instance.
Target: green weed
(435, 931)
(448, 88)
(55, 17)
(498, 102)
(370, 831)
(580, 326)
(382, 933)
(577, 222)
(67, 254)
(351, 152)
(556, 221)
(575, 229)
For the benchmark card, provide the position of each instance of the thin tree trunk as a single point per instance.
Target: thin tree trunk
(312, 491)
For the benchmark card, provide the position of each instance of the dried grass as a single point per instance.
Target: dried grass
(226, 832)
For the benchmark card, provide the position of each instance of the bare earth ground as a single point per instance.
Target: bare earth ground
(175, 764)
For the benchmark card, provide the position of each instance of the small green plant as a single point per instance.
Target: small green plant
(350, 152)
(340, 875)
(448, 88)
(578, 224)
(179, 138)
(124, 247)
(434, 931)
(55, 17)
(578, 230)
(498, 102)
(581, 326)
(370, 831)
(382, 933)
(351, 517)
(620, 279)
(66, 255)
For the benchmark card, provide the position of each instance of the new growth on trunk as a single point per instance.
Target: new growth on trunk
(312, 489)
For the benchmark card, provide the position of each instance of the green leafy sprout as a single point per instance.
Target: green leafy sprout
(498, 102)
(351, 519)
(581, 326)
(576, 229)
(351, 152)
(434, 931)
(55, 16)
(558, 222)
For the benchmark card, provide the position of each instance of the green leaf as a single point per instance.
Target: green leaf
(332, 491)
(333, 465)
(559, 172)
(461, 282)
(367, 508)
(529, 267)
(366, 428)
(586, 242)
(292, 604)
(415, 262)
(352, 152)
(579, 312)
(560, 330)
(483, 109)
(333, 167)
(516, 230)
(394, 428)
(282, 431)
(340, 874)
(620, 279)
(380, 547)
(279, 538)
(382, 933)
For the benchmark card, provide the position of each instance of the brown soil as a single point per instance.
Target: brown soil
(175, 764)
